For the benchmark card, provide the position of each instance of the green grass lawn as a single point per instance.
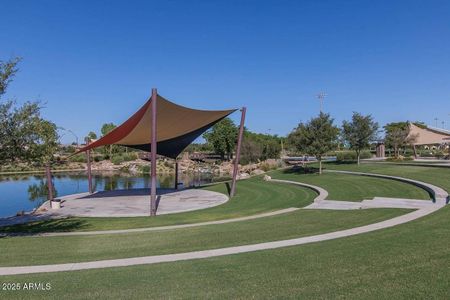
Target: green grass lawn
(439, 176)
(46, 250)
(408, 261)
(352, 187)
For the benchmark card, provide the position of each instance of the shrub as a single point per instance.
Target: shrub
(145, 169)
(98, 158)
(129, 156)
(81, 158)
(117, 159)
(399, 159)
(351, 155)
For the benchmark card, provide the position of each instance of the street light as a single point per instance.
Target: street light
(70, 131)
(321, 96)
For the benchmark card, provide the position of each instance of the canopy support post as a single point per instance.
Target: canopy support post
(89, 171)
(176, 174)
(49, 183)
(238, 152)
(153, 156)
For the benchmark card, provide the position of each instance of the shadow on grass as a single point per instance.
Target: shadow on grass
(52, 225)
(301, 170)
(227, 184)
(343, 162)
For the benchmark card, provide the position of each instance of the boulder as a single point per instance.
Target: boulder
(244, 176)
(257, 172)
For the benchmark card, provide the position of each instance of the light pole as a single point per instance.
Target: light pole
(435, 121)
(321, 96)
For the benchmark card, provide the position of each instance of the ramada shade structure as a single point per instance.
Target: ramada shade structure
(176, 127)
(165, 128)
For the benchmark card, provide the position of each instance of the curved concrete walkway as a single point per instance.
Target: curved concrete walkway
(422, 211)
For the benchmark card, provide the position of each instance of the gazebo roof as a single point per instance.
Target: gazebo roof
(428, 135)
(177, 127)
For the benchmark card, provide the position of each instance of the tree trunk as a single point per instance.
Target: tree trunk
(358, 154)
(320, 165)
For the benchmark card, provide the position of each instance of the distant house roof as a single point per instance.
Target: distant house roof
(428, 135)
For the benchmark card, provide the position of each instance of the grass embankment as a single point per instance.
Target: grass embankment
(410, 261)
(353, 187)
(404, 262)
(439, 176)
(46, 250)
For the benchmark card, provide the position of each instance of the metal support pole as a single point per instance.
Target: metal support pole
(176, 174)
(89, 171)
(238, 152)
(153, 155)
(49, 183)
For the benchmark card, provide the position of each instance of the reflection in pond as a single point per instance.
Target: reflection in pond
(39, 191)
(26, 192)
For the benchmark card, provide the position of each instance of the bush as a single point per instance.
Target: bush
(117, 159)
(351, 155)
(129, 156)
(145, 169)
(399, 159)
(80, 158)
(98, 158)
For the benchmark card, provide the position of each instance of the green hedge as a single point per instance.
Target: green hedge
(351, 155)
(81, 158)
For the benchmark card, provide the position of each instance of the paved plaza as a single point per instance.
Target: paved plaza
(133, 203)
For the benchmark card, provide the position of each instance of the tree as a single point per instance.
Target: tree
(397, 136)
(251, 151)
(24, 135)
(258, 147)
(91, 135)
(359, 132)
(107, 128)
(316, 137)
(8, 70)
(222, 137)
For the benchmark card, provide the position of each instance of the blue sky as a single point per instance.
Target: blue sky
(93, 62)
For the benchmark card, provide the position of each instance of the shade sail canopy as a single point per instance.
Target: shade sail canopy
(177, 127)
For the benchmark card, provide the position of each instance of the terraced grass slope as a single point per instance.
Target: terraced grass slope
(409, 261)
(352, 187)
(65, 249)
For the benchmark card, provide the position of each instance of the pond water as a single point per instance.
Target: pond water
(26, 192)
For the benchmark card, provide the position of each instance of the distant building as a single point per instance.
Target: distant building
(429, 136)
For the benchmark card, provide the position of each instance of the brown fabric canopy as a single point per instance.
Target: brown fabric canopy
(177, 127)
